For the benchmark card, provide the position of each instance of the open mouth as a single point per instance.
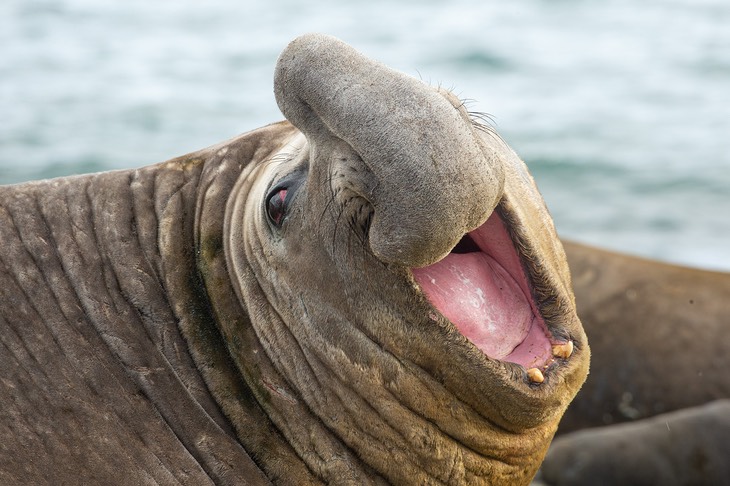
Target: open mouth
(482, 288)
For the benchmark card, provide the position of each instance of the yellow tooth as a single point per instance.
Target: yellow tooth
(563, 350)
(535, 375)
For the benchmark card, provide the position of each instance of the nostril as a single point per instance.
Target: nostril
(465, 245)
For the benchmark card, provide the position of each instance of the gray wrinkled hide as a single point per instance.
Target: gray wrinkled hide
(96, 383)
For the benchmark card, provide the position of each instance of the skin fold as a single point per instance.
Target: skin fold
(247, 314)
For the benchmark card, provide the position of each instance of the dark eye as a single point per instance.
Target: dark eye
(281, 196)
(276, 206)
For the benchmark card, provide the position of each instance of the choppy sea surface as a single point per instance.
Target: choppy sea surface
(620, 109)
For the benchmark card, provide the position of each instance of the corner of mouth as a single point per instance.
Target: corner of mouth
(486, 288)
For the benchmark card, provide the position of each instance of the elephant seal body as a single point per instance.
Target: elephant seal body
(654, 409)
(271, 309)
(687, 446)
(660, 336)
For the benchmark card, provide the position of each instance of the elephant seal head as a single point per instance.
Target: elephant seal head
(410, 306)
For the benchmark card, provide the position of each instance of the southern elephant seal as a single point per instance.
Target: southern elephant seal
(660, 336)
(660, 351)
(277, 308)
(687, 446)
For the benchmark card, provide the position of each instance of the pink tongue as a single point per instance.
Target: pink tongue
(483, 301)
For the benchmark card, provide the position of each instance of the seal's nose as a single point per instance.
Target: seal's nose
(433, 179)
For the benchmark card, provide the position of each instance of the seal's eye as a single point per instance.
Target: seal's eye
(276, 206)
(281, 196)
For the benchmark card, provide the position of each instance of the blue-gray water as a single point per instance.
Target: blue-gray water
(621, 109)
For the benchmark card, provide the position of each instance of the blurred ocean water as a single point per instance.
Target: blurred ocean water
(621, 109)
